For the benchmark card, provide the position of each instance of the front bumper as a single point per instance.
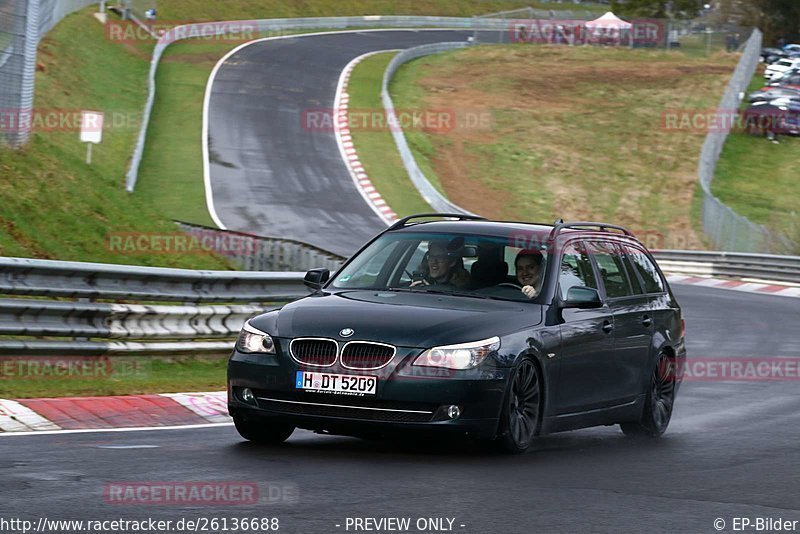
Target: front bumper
(408, 398)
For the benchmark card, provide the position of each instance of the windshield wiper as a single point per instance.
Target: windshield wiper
(434, 291)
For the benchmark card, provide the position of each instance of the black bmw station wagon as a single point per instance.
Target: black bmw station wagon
(451, 323)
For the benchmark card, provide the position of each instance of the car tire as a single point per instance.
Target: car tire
(659, 401)
(520, 419)
(262, 431)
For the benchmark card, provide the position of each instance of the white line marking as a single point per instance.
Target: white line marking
(128, 446)
(342, 79)
(97, 430)
(16, 417)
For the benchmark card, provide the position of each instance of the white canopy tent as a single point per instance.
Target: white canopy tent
(609, 21)
(609, 29)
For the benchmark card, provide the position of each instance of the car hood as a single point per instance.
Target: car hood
(401, 319)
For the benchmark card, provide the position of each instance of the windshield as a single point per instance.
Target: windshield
(467, 265)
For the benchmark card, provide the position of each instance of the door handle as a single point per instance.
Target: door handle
(646, 321)
(607, 327)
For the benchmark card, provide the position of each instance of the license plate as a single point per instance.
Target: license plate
(339, 384)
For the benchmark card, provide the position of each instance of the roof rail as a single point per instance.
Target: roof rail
(603, 227)
(460, 216)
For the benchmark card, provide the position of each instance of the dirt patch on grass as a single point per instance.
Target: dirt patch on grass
(573, 132)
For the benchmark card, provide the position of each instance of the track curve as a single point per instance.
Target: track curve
(269, 173)
(731, 451)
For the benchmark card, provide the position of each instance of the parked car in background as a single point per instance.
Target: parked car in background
(771, 55)
(782, 66)
(769, 93)
(790, 79)
(777, 117)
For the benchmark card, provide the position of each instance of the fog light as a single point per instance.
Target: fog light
(247, 395)
(453, 411)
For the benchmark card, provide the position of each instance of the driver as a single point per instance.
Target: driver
(528, 264)
(444, 266)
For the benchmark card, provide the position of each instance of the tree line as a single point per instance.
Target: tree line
(776, 18)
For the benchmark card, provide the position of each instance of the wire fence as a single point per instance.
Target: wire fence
(726, 229)
(22, 25)
(540, 26)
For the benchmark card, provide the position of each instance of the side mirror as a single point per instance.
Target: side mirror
(316, 278)
(582, 298)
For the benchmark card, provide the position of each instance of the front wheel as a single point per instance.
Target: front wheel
(262, 431)
(658, 403)
(520, 418)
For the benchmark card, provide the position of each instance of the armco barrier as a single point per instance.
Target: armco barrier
(266, 25)
(260, 253)
(125, 309)
(731, 264)
(210, 306)
(431, 195)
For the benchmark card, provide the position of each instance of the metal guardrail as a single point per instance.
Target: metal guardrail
(261, 253)
(731, 264)
(189, 31)
(426, 189)
(69, 279)
(95, 322)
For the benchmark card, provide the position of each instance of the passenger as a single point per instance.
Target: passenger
(528, 264)
(444, 267)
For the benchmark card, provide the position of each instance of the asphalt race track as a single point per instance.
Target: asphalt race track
(731, 451)
(272, 174)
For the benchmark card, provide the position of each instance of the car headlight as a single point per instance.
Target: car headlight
(461, 356)
(252, 340)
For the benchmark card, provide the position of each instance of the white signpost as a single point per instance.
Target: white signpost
(91, 131)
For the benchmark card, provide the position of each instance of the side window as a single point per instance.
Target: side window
(647, 271)
(366, 272)
(612, 269)
(415, 262)
(576, 269)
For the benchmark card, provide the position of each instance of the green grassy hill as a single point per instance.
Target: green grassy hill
(52, 205)
(544, 132)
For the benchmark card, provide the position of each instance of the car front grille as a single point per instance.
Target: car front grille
(317, 352)
(343, 411)
(366, 355)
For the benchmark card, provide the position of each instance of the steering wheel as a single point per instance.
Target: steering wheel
(509, 284)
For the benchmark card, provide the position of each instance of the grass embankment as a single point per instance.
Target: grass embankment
(116, 375)
(544, 132)
(758, 178)
(244, 9)
(53, 205)
(376, 148)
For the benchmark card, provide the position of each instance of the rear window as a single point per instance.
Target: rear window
(612, 269)
(647, 271)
